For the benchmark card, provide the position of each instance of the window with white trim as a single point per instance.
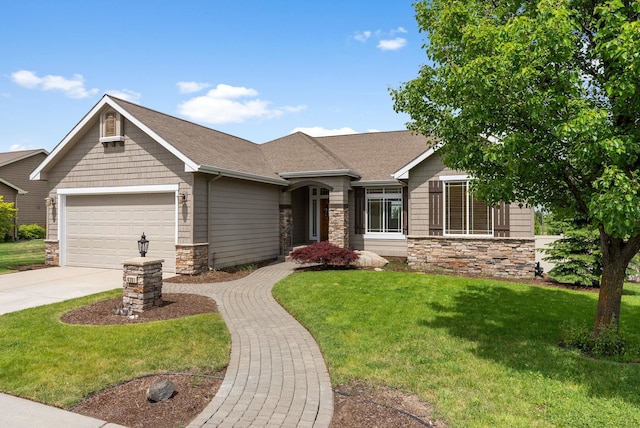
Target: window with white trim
(463, 214)
(384, 210)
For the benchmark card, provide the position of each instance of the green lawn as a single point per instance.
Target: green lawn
(48, 361)
(20, 253)
(483, 352)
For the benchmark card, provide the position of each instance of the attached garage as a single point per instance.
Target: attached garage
(103, 230)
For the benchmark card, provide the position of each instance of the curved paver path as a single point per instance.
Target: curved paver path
(277, 376)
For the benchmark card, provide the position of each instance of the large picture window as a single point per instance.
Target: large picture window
(384, 210)
(464, 215)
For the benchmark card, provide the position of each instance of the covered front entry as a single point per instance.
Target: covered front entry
(103, 230)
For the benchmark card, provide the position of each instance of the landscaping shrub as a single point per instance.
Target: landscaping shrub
(326, 254)
(608, 344)
(31, 231)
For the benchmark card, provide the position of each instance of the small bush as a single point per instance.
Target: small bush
(608, 343)
(31, 231)
(326, 254)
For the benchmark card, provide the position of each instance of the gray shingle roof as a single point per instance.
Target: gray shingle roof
(10, 157)
(204, 146)
(374, 156)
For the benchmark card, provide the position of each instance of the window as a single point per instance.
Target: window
(111, 128)
(464, 215)
(384, 210)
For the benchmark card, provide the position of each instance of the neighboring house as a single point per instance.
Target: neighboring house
(208, 199)
(15, 186)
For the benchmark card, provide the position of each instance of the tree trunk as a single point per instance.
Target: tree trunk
(616, 255)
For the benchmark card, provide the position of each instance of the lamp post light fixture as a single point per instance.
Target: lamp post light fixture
(143, 245)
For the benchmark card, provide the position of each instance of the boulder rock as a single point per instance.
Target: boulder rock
(369, 259)
(160, 390)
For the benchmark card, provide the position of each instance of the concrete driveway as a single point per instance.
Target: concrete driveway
(31, 288)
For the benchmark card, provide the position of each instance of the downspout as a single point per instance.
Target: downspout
(210, 220)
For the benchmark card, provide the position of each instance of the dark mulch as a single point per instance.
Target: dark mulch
(356, 405)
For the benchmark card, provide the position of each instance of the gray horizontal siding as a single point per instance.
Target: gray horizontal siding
(244, 223)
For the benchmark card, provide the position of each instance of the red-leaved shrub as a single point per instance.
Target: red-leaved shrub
(326, 254)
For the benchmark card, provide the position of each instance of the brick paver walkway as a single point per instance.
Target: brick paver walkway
(277, 376)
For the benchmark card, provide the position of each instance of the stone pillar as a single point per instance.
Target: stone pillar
(192, 259)
(142, 283)
(286, 228)
(51, 252)
(339, 225)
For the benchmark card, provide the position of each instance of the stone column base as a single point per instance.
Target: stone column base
(51, 252)
(192, 259)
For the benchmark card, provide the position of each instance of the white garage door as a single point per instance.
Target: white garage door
(103, 230)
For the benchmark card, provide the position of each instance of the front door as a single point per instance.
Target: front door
(324, 219)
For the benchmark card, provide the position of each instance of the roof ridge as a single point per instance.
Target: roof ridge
(120, 100)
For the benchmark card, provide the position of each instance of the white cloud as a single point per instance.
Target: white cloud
(318, 131)
(126, 94)
(362, 36)
(397, 30)
(19, 147)
(226, 104)
(72, 88)
(191, 87)
(392, 44)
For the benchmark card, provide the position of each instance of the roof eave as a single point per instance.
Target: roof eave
(376, 183)
(208, 169)
(14, 187)
(403, 173)
(322, 173)
(40, 172)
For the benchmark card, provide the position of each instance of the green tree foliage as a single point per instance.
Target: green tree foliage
(540, 101)
(7, 215)
(577, 258)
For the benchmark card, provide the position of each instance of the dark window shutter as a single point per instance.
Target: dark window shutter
(435, 208)
(359, 210)
(405, 210)
(501, 218)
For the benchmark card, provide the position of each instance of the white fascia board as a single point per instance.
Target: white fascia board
(462, 177)
(377, 183)
(241, 175)
(403, 173)
(38, 174)
(325, 173)
(152, 188)
(188, 163)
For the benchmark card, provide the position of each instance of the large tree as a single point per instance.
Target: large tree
(539, 100)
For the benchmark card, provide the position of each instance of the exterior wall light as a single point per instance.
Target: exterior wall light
(182, 198)
(49, 201)
(143, 245)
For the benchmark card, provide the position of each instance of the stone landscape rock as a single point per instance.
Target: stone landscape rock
(369, 259)
(160, 390)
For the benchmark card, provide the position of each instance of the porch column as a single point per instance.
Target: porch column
(339, 217)
(286, 223)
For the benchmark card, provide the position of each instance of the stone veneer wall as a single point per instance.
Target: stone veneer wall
(507, 257)
(192, 259)
(339, 225)
(51, 252)
(286, 228)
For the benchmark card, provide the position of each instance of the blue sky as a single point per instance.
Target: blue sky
(255, 69)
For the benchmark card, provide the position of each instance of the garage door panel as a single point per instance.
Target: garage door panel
(103, 230)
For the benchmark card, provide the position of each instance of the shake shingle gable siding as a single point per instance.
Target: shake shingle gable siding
(242, 202)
